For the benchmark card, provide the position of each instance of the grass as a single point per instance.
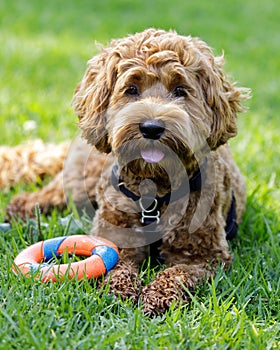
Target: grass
(44, 49)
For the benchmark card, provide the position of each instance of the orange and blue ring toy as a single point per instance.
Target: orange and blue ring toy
(102, 257)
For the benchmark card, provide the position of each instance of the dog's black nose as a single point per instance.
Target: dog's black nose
(152, 129)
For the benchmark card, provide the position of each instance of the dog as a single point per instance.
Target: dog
(156, 111)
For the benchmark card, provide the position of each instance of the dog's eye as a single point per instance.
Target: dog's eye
(179, 91)
(132, 91)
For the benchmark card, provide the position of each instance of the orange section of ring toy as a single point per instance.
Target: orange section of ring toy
(31, 259)
(82, 245)
(90, 267)
(31, 255)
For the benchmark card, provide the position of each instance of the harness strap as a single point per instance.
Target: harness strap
(231, 224)
(150, 206)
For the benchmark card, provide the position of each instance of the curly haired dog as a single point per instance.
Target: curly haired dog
(159, 110)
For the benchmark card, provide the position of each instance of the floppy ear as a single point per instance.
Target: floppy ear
(92, 96)
(224, 100)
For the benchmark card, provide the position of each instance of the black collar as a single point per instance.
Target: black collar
(150, 206)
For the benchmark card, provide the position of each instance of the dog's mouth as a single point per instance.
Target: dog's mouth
(152, 154)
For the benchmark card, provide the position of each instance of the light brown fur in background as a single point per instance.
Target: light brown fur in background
(156, 62)
(26, 162)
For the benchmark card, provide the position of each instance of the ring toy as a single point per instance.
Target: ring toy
(102, 257)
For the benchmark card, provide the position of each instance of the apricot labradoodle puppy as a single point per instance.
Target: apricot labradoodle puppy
(159, 110)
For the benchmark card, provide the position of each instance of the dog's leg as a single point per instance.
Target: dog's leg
(50, 196)
(77, 182)
(56, 194)
(171, 285)
(123, 281)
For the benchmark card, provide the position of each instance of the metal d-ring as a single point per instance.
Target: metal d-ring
(146, 212)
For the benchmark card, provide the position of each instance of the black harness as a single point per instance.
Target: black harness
(150, 206)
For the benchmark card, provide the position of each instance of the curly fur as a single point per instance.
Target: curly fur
(198, 125)
(27, 162)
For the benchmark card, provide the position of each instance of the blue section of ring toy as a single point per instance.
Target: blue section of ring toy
(50, 247)
(108, 255)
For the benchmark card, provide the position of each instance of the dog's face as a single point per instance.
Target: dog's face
(156, 94)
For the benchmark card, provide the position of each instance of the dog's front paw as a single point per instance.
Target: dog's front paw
(169, 287)
(123, 281)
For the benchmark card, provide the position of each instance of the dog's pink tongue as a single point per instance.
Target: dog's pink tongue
(152, 155)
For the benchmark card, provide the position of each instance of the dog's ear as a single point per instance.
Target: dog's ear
(92, 96)
(223, 99)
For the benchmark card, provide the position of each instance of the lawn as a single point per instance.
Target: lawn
(44, 50)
